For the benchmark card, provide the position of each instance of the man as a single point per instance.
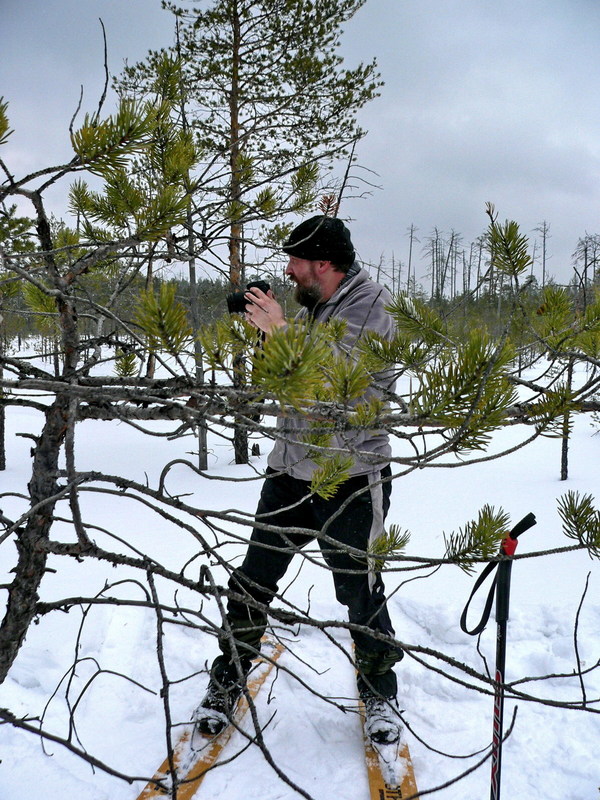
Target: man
(329, 284)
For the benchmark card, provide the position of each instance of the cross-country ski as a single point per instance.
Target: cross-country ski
(194, 754)
(389, 768)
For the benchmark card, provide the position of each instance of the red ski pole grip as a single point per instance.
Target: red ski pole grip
(509, 546)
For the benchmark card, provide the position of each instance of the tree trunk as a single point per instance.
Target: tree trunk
(412, 230)
(202, 432)
(2, 408)
(240, 434)
(2, 435)
(194, 305)
(31, 565)
(43, 486)
(151, 363)
(564, 455)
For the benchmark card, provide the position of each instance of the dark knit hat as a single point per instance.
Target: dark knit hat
(321, 238)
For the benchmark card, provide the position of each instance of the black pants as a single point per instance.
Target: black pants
(285, 502)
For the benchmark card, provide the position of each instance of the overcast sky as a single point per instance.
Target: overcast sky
(484, 100)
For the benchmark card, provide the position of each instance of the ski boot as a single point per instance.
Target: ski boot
(224, 689)
(382, 718)
(377, 689)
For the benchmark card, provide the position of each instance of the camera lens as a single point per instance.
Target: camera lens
(236, 301)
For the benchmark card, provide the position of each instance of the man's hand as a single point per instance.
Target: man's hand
(263, 311)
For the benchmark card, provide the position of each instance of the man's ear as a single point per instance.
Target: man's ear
(324, 266)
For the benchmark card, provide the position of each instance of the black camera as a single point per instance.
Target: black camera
(236, 301)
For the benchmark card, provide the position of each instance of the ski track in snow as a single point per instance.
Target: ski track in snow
(552, 753)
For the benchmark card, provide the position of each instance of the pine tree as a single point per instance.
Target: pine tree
(269, 104)
(114, 220)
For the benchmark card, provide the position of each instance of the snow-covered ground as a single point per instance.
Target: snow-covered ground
(551, 754)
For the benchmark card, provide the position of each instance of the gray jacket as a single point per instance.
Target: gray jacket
(361, 303)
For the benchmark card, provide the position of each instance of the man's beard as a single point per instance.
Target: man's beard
(308, 296)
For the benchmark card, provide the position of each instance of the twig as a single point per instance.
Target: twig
(576, 640)
(165, 682)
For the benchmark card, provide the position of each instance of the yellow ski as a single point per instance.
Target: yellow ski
(389, 769)
(191, 762)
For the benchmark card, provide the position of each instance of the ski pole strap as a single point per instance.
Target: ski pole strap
(507, 548)
(488, 603)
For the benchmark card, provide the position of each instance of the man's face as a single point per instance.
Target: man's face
(304, 274)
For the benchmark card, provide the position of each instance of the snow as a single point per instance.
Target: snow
(311, 733)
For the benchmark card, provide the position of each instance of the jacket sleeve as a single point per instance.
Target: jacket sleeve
(364, 311)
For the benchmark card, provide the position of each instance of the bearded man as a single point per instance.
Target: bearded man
(329, 284)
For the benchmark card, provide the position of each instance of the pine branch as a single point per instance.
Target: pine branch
(103, 146)
(126, 364)
(5, 130)
(581, 521)
(390, 543)
(509, 247)
(479, 539)
(418, 320)
(468, 390)
(164, 320)
(331, 473)
(290, 366)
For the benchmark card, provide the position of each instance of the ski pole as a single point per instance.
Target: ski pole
(501, 589)
(507, 548)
